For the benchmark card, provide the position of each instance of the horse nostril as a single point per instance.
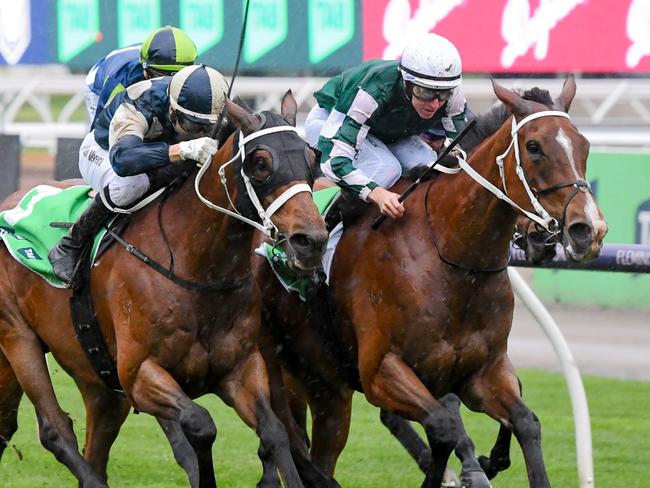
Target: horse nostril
(581, 234)
(308, 243)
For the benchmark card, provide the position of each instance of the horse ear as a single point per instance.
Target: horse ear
(244, 120)
(289, 107)
(568, 92)
(515, 104)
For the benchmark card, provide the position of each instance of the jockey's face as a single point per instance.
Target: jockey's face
(427, 101)
(426, 110)
(188, 130)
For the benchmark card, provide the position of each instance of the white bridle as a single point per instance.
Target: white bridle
(267, 226)
(541, 216)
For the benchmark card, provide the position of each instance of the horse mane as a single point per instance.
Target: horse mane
(489, 122)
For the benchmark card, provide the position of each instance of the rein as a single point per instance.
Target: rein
(541, 216)
(223, 285)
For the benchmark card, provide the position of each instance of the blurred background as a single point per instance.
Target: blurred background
(47, 47)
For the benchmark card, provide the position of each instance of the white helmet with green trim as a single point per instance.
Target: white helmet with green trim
(431, 61)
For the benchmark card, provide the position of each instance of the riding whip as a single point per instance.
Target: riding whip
(242, 36)
(378, 220)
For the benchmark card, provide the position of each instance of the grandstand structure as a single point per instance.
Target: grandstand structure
(611, 112)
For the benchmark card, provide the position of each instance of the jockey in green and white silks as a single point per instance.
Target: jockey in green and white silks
(368, 119)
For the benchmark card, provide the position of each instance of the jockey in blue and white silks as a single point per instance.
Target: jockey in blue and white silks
(141, 139)
(164, 52)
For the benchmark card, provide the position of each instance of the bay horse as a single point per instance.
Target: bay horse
(423, 306)
(171, 343)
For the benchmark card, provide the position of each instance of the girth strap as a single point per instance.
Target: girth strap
(89, 335)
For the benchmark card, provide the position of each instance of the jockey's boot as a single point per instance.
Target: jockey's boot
(65, 254)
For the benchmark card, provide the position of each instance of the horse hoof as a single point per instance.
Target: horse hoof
(474, 479)
(450, 480)
(492, 468)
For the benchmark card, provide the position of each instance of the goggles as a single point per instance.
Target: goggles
(425, 94)
(194, 128)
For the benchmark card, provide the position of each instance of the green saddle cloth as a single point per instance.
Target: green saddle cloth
(26, 229)
(278, 259)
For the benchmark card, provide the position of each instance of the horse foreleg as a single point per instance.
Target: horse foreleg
(155, 392)
(246, 389)
(497, 393)
(391, 384)
(183, 451)
(10, 395)
(331, 413)
(23, 351)
(407, 437)
(499, 459)
(106, 411)
(472, 474)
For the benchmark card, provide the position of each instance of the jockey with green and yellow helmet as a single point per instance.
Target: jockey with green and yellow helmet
(164, 52)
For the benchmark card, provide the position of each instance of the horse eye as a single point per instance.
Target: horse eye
(259, 168)
(259, 164)
(533, 148)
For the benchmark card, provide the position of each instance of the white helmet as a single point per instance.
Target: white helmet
(431, 61)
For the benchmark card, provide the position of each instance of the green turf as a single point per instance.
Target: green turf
(142, 458)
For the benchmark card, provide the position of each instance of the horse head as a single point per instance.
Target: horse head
(546, 169)
(275, 173)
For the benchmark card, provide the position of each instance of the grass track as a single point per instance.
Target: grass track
(142, 458)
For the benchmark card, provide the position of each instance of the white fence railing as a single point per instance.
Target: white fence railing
(610, 112)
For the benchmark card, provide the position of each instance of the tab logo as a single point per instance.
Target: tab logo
(29, 253)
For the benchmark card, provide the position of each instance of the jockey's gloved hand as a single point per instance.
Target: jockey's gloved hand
(198, 150)
(458, 152)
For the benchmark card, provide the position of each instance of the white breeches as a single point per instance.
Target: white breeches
(381, 162)
(91, 103)
(96, 170)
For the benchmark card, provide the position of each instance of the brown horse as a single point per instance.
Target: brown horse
(170, 342)
(423, 307)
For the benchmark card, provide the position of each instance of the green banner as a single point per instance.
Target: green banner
(204, 20)
(267, 27)
(331, 25)
(77, 27)
(621, 182)
(136, 19)
(283, 37)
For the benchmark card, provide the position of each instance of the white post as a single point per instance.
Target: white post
(571, 375)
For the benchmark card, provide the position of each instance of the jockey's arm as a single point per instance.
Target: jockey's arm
(128, 153)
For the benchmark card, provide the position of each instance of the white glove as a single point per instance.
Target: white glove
(198, 150)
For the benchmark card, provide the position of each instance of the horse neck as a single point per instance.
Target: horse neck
(472, 227)
(205, 239)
